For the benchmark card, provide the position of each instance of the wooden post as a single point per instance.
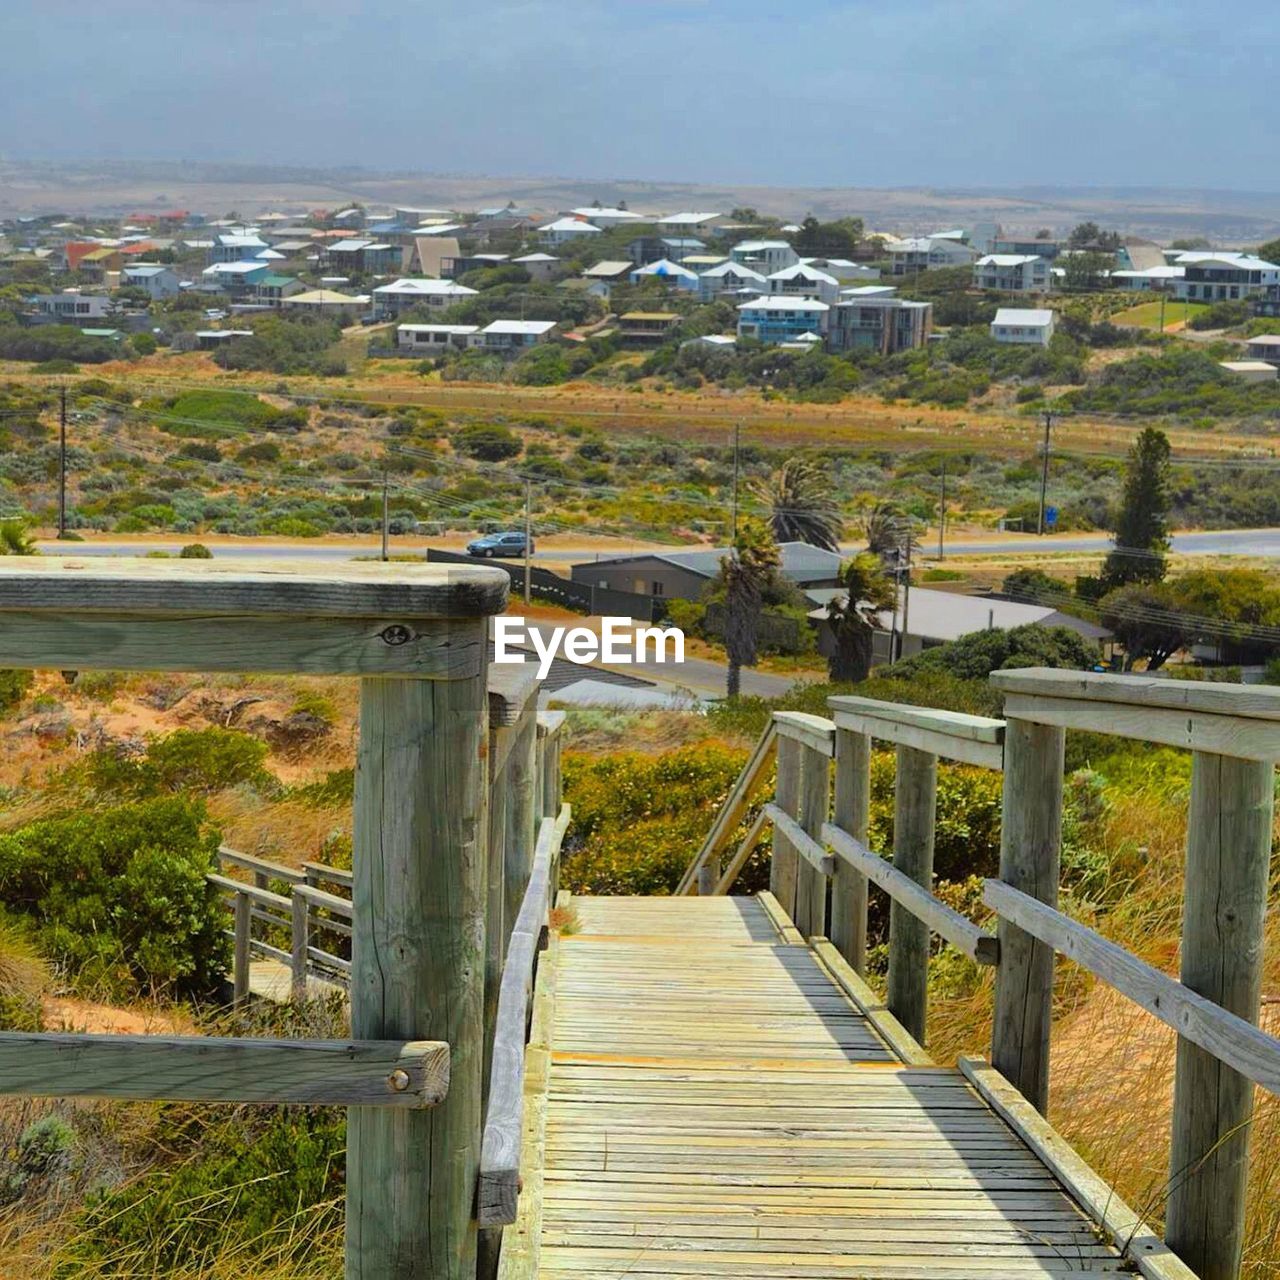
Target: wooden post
(709, 875)
(783, 865)
(417, 967)
(522, 816)
(240, 970)
(496, 925)
(915, 806)
(301, 911)
(1224, 908)
(811, 884)
(852, 814)
(1030, 845)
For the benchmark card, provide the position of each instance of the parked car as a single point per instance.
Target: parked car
(510, 543)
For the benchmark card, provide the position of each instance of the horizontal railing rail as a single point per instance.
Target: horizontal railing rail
(504, 1118)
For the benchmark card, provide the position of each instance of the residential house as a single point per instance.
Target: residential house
(273, 289)
(647, 328)
(874, 318)
(1013, 273)
(364, 256)
(781, 318)
(604, 218)
(236, 247)
(1026, 326)
(1159, 279)
(603, 276)
(1225, 276)
(94, 267)
(509, 337)
(567, 231)
(921, 253)
(234, 277)
(327, 302)
(453, 268)
(73, 307)
(389, 300)
(844, 269)
(1027, 245)
(69, 257)
(1266, 346)
(671, 274)
(926, 618)
(502, 230)
(731, 278)
(542, 267)
(154, 279)
(212, 339)
(688, 221)
(1250, 370)
(433, 339)
(645, 249)
(764, 256)
(805, 282)
(683, 575)
(429, 254)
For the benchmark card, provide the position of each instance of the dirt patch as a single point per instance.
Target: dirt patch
(65, 1013)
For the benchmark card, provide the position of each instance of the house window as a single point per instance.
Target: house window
(659, 589)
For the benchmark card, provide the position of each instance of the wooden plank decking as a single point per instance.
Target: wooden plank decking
(716, 1106)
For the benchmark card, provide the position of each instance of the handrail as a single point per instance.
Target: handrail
(1229, 1038)
(498, 1185)
(731, 813)
(950, 735)
(260, 866)
(958, 930)
(800, 840)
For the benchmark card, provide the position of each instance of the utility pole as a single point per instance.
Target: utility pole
(386, 522)
(942, 513)
(1044, 472)
(528, 538)
(737, 432)
(906, 597)
(62, 462)
(1162, 298)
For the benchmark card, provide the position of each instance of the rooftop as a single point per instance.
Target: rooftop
(426, 287)
(782, 302)
(520, 326)
(1033, 316)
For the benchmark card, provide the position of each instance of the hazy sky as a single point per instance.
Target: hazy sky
(821, 93)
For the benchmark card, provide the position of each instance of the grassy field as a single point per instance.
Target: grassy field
(1146, 315)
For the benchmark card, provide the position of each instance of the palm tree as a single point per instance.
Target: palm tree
(15, 540)
(801, 508)
(746, 571)
(880, 524)
(853, 617)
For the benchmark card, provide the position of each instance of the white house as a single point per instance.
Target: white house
(1149, 279)
(604, 218)
(688, 220)
(1030, 326)
(391, 299)
(73, 307)
(431, 339)
(923, 252)
(1013, 273)
(235, 247)
(512, 335)
(765, 256)
(1225, 276)
(670, 273)
(1250, 370)
(844, 269)
(157, 280)
(567, 230)
(781, 318)
(540, 266)
(805, 282)
(731, 277)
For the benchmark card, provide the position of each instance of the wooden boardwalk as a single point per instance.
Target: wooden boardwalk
(717, 1105)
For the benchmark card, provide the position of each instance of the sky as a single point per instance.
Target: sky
(946, 93)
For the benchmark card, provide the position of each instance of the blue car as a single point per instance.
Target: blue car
(499, 544)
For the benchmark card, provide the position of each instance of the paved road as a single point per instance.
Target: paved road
(1236, 542)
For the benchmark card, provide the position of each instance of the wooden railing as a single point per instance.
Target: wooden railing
(822, 865)
(442, 752)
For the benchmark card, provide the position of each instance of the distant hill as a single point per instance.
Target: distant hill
(115, 187)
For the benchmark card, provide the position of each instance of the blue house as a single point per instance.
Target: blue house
(781, 318)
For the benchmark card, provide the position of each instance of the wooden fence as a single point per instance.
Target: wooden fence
(457, 775)
(822, 866)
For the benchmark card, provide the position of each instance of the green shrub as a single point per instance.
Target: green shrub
(338, 787)
(202, 760)
(487, 443)
(120, 895)
(14, 686)
(637, 820)
(195, 551)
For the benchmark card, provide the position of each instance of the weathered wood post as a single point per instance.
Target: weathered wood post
(522, 815)
(418, 950)
(241, 940)
(783, 864)
(852, 813)
(815, 798)
(914, 815)
(300, 912)
(1228, 856)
